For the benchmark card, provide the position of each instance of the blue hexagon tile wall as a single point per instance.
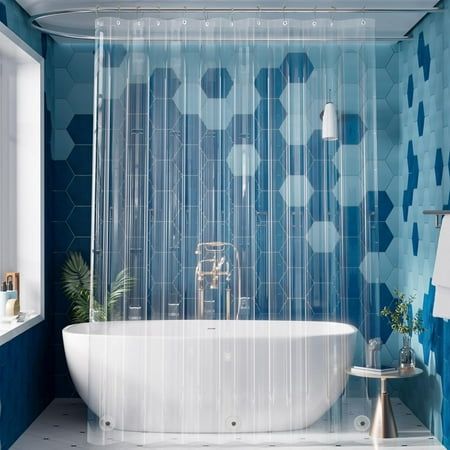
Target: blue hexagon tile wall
(379, 206)
(3, 16)
(164, 83)
(425, 184)
(420, 118)
(297, 67)
(415, 239)
(410, 92)
(386, 299)
(413, 180)
(423, 56)
(438, 167)
(270, 82)
(216, 83)
(352, 129)
(116, 54)
(70, 175)
(80, 129)
(243, 129)
(310, 181)
(270, 113)
(426, 337)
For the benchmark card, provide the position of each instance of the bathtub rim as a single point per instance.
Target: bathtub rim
(335, 329)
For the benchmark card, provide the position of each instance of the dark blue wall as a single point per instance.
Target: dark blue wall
(25, 382)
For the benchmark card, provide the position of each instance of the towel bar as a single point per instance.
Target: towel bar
(439, 213)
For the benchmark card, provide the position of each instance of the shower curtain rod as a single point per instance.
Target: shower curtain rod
(195, 9)
(34, 20)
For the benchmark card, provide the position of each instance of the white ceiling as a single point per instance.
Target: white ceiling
(387, 24)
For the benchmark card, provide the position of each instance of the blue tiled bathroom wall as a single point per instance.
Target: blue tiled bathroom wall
(26, 362)
(422, 180)
(71, 167)
(413, 169)
(72, 152)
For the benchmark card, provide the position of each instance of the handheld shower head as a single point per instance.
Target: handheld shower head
(372, 357)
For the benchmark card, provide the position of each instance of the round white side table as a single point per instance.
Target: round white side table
(383, 422)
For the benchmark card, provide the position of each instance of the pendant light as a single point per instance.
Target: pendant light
(329, 122)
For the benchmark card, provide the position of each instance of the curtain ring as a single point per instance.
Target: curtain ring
(118, 16)
(137, 16)
(314, 22)
(158, 20)
(332, 16)
(363, 20)
(285, 22)
(97, 17)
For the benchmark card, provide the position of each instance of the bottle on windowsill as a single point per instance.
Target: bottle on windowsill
(12, 305)
(3, 299)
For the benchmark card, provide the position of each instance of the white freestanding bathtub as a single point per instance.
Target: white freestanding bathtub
(209, 376)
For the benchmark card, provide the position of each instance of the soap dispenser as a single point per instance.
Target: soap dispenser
(3, 299)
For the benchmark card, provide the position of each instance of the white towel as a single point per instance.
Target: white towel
(442, 302)
(441, 274)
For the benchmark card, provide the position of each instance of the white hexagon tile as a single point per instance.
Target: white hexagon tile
(323, 237)
(243, 160)
(296, 190)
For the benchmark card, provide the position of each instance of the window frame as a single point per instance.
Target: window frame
(24, 184)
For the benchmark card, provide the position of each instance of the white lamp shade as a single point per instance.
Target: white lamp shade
(329, 124)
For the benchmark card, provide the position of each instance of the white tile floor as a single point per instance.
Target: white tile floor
(63, 426)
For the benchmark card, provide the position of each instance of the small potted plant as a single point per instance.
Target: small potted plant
(76, 284)
(401, 321)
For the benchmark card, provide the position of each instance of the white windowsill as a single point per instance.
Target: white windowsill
(9, 330)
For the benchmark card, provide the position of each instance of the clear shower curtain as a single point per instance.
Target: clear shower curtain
(216, 199)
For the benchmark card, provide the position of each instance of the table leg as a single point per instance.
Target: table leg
(383, 421)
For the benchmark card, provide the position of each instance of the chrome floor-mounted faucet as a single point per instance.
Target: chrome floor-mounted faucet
(212, 267)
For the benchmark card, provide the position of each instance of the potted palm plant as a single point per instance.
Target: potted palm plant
(403, 322)
(76, 285)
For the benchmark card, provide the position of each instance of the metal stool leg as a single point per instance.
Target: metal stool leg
(383, 421)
